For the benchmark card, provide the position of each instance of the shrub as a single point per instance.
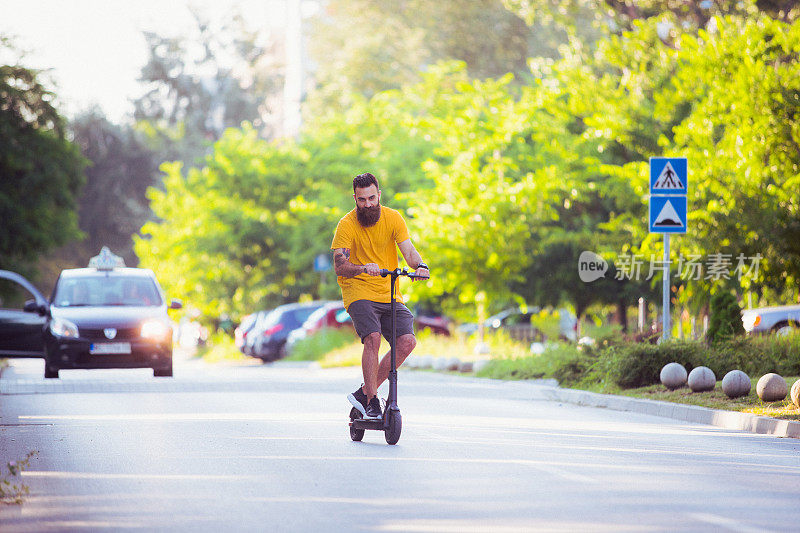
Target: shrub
(11, 490)
(756, 356)
(612, 361)
(316, 346)
(564, 362)
(726, 317)
(631, 365)
(219, 347)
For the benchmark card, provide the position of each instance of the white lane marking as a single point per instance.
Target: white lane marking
(726, 523)
(106, 475)
(549, 467)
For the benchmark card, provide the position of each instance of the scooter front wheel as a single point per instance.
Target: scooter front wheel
(394, 426)
(355, 434)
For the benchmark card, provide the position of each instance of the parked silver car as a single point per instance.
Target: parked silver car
(780, 319)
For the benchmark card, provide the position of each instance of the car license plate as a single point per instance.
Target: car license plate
(110, 347)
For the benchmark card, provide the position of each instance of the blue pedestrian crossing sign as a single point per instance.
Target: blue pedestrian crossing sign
(668, 214)
(322, 263)
(669, 175)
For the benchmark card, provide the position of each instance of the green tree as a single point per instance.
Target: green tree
(239, 233)
(199, 85)
(364, 47)
(726, 317)
(112, 205)
(41, 172)
(615, 16)
(741, 131)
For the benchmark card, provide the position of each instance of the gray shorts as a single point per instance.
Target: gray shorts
(369, 317)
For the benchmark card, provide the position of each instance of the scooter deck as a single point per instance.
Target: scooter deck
(361, 423)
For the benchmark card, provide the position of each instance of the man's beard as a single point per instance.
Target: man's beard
(368, 216)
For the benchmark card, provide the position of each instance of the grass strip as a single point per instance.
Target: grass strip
(717, 399)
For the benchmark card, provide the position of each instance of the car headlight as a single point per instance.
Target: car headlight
(750, 321)
(155, 329)
(63, 328)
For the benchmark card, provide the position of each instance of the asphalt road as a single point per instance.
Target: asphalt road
(266, 448)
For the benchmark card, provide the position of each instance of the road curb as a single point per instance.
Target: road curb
(688, 413)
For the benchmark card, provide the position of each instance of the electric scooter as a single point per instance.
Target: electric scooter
(391, 424)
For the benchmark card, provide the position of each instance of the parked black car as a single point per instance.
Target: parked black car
(104, 316)
(272, 330)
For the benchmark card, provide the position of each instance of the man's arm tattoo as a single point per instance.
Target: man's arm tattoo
(342, 264)
(341, 256)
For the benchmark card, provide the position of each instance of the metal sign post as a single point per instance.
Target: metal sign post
(669, 187)
(665, 325)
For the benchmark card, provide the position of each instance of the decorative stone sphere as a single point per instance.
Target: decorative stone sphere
(673, 376)
(482, 349)
(480, 364)
(795, 394)
(465, 366)
(701, 379)
(452, 363)
(424, 361)
(441, 363)
(772, 388)
(735, 384)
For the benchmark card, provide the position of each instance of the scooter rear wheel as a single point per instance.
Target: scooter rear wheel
(355, 434)
(395, 425)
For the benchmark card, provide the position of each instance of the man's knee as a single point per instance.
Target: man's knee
(372, 342)
(406, 343)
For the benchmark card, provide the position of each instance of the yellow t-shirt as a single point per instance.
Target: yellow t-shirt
(376, 244)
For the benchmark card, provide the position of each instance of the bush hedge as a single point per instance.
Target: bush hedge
(726, 318)
(627, 364)
(314, 347)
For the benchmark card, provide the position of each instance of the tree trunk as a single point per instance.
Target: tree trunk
(622, 315)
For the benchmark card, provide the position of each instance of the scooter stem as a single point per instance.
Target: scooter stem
(392, 399)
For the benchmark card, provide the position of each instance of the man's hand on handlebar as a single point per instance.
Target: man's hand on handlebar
(421, 273)
(372, 269)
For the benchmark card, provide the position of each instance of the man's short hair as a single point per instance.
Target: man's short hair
(362, 181)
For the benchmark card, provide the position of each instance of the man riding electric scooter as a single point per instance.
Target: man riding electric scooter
(366, 241)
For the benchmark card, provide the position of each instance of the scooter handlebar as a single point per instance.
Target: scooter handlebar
(398, 272)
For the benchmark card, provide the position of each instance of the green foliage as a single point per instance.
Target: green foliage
(200, 84)
(11, 490)
(240, 233)
(611, 16)
(756, 356)
(41, 172)
(750, 183)
(565, 363)
(630, 365)
(112, 205)
(220, 347)
(717, 399)
(613, 363)
(506, 180)
(364, 47)
(726, 317)
(316, 346)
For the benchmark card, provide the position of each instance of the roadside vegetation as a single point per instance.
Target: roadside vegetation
(614, 364)
(510, 155)
(220, 347)
(618, 365)
(465, 349)
(315, 347)
(717, 399)
(12, 490)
